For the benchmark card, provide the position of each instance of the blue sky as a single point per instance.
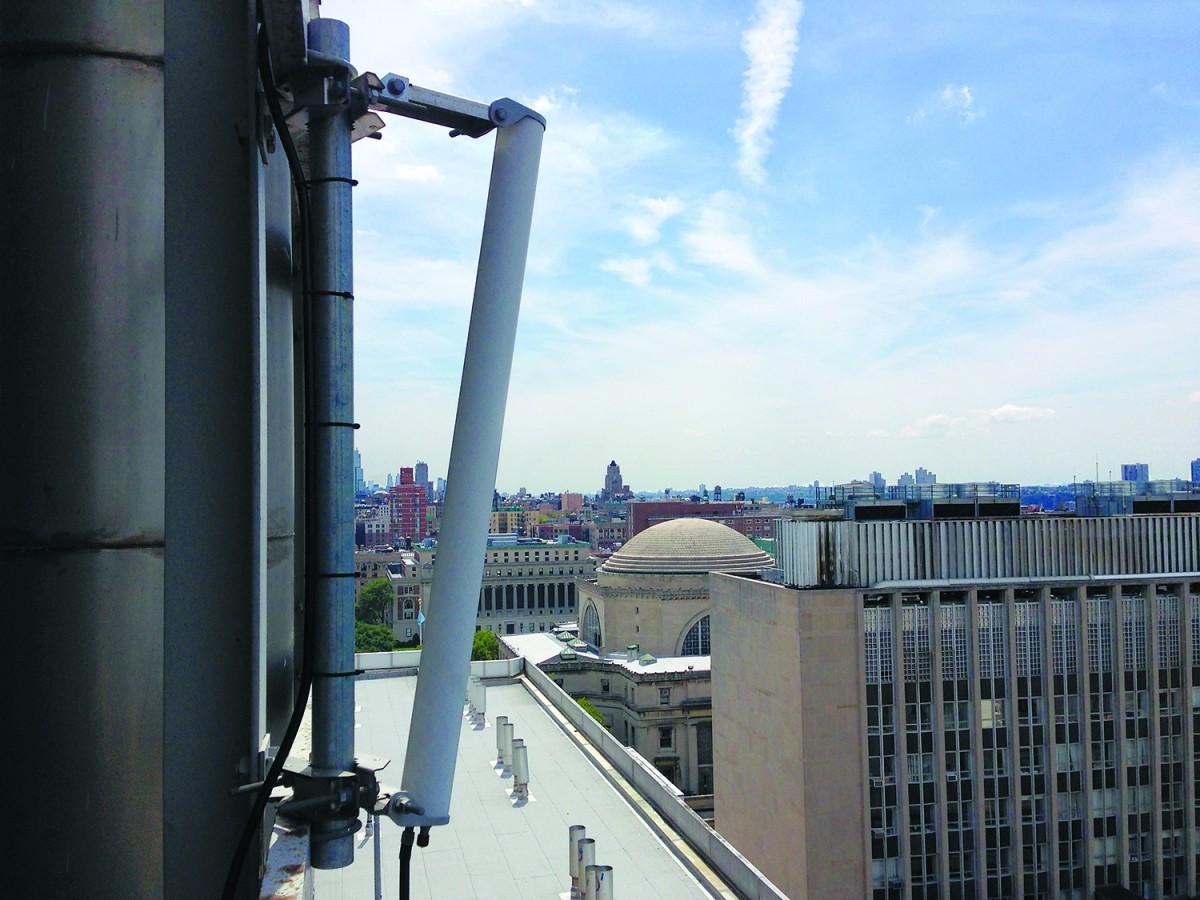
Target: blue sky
(777, 242)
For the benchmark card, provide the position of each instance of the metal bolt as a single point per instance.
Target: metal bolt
(395, 86)
(501, 114)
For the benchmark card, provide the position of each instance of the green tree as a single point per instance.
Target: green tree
(590, 709)
(485, 646)
(375, 599)
(370, 638)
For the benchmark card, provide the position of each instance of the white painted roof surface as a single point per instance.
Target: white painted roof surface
(491, 848)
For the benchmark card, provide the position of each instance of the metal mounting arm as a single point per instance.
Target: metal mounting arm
(396, 94)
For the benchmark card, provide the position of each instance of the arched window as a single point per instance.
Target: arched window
(591, 626)
(409, 608)
(697, 643)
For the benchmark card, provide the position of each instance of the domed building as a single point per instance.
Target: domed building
(653, 592)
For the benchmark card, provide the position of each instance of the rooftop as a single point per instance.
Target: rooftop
(494, 847)
(541, 648)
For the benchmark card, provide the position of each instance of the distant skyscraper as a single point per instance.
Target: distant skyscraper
(421, 477)
(359, 483)
(877, 480)
(905, 480)
(1196, 470)
(1136, 471)
(614, 487)
(924, 476)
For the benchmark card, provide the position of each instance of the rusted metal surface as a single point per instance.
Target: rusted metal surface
(288, 874)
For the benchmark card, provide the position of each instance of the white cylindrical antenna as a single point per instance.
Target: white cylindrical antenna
(471, 480)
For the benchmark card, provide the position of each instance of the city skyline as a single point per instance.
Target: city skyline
(784, 241)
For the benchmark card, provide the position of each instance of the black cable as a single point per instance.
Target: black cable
(254, 820)
(406, 845)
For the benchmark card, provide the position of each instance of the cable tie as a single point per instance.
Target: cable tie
(345, 295)
(353, 182)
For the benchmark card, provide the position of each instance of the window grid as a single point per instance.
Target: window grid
(918, 658)
(1028, 620)
(1133, 628)
(1168, 632)
(877, 641)
(954, 641)
(1099, 635)
(1064, 637)
(997, 817)
(992, 640)
(1195, 624)
(698, 641)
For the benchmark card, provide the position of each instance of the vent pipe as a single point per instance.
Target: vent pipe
(598, 883)
(585, 855)
(501, 721)
(520, 771)
(575, 834)
(506, 745)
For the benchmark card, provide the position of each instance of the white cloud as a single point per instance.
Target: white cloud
(1012, 413)
(959, 99)
(423, 174)
(645, 223)
(1169, 94)
(954, 99)
(1194, 397)
(770, 45)
(635, 271)
(719, 237)
(937, 424)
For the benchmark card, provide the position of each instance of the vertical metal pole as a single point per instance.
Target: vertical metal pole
(474, 456)
(333, 408)
(378, 859)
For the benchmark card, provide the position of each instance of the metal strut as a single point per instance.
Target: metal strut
(332, 107)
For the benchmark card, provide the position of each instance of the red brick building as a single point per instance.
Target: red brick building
(406, 507)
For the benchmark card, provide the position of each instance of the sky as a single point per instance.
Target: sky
(778, 242)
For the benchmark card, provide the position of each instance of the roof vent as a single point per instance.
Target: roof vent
(646, 659)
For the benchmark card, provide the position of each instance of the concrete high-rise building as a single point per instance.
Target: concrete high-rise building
(995, 708)
(924, 476)
(1135, 472)
(877, 480)
(905, 480)
(1195, 471)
